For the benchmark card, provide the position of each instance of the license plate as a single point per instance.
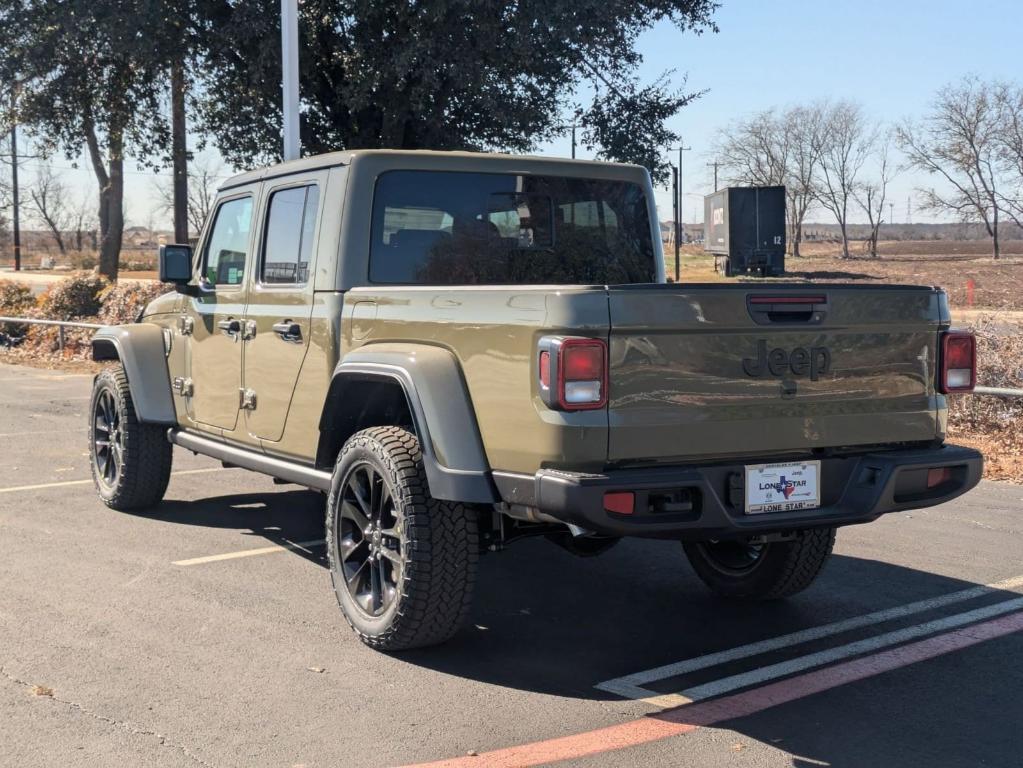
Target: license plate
(782, 487)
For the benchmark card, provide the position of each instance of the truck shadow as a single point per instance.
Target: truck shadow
(285, 517)
(547, 622)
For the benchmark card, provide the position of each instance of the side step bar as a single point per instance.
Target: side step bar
(288, 471)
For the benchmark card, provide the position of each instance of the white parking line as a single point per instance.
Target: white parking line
(631, 686)
(288, 547)
(870, 644)
(43, 431)
(47, 400)
(64, 483)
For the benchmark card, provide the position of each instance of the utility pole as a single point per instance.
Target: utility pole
(676, 215)
(573, 141)
(891, 213)
(681, 206)
(289, 77)
(715, 165)
(179, 152)
(16, 223)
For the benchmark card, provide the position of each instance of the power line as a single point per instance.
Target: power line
(133, 173)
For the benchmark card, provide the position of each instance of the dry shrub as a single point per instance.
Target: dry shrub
(139, 264)
(994, 424)
(74, 298)
(16, 300)
(123, 302)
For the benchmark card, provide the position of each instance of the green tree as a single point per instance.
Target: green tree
(443, 74)
(92, 75)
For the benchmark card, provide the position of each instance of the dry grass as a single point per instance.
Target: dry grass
(994, 425)
(949, 264)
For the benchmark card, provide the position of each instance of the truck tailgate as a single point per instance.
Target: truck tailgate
(706, 371)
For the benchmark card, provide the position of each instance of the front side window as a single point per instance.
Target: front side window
(290, 229)
(451, 228)
(228, 244)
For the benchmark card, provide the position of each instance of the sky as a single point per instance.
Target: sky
(890, 57)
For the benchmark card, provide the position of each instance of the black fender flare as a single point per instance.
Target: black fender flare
(444, 419)
(141, 349)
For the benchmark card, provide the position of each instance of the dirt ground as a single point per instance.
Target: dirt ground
(949, 264)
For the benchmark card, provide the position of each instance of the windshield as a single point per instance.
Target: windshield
(450, 228)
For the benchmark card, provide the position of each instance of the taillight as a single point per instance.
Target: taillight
(958, 365)
(577, 368)
(545, 370)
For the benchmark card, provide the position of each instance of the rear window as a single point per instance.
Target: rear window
(449, 228)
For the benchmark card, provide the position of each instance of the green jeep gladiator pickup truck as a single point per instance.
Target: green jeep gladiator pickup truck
(464, 349)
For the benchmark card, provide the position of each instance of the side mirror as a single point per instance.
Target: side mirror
(176, 264)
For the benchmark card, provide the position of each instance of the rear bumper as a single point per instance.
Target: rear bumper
(706, 501)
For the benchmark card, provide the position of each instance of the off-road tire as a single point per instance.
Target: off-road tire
(782, 568)
(439, 546)
(145, 453)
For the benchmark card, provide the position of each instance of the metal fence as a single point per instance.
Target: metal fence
(998, 391)
(60, 324)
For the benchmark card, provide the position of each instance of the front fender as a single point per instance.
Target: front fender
(431, 377)
(140, 349)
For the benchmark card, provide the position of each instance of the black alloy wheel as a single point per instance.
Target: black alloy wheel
(108, 439)
(733, 557)
(371, 543)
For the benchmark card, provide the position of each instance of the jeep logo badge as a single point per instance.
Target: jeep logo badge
(780, 362)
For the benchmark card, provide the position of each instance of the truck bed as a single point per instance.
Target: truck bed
(852, 366)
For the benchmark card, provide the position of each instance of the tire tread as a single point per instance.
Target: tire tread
(441, 544)
(148, 455)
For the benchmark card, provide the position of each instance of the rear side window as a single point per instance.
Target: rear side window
(228, 244)
(450, 228)
(290, 229)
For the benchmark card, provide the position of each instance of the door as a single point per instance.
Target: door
(215, 315)
(277, 318)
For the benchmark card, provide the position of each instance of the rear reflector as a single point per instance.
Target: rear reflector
(620, 502)
(938, 476)
(958, 371)
(573, 372)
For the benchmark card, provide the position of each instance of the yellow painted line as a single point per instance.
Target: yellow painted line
(289, 547)
(66, 483)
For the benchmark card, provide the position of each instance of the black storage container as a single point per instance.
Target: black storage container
(744, 227)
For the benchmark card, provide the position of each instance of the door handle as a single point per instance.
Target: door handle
(288, 331)
(230, 327)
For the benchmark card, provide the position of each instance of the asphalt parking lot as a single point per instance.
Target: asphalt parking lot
(204, 632)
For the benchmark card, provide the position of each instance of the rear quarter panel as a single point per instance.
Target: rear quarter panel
(493, 332)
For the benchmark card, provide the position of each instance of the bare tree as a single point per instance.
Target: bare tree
(958, 142)
(771, 148)
(84, 223)
(1009, 139)
(49, 201)
(845, 144)
(872, 195)
(803, 127)
(203, 176)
